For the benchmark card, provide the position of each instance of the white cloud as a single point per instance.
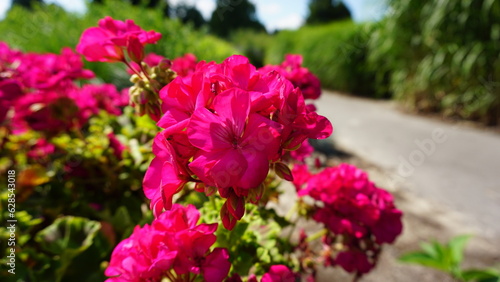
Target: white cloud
(269, 8)
(206, 7)
(291, 21)
(4, 7)
(77, 6)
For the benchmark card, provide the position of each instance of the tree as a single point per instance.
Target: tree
(231, 15)
(153, 4)
(323, 11)
(26, 3)
(189, 14)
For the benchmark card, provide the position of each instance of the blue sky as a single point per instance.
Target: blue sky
(275, 14)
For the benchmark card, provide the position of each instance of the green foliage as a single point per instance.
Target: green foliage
(48, 28)
(66, 238)
(255, 243)
(442, 56)
(252, 44)
(336, 53)
(448, 258)
(67, 223)
(324, 11)
(434, 56)
(230, 16)
(26, 3)
(189, 14)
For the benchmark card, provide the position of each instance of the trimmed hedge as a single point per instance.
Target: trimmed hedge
(336, 53)
(48, 28)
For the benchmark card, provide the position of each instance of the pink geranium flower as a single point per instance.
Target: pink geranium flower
(238, 121)
(350, 205)
(41, 150)
(305, 150)
(46, 111)
(235, 144)
(174, 246)
(10, 91)
(184, 65)
(279, 273)
(106, 43)
(91, 98)
(52, 71)
(299, 76)
(354, 261)
(165, 175)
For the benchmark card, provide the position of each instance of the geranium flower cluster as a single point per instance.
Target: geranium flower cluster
(224, 126)
(352, 207)
(279, 273)
(124, 41)
(184, 65)
(300, 76)
(112, 39)
(41, 93)
(174, 246)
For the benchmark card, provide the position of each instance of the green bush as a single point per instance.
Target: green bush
(442, 56)
(336, 53)
(49, 28)
(252, 44)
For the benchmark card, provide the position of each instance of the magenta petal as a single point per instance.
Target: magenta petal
(164, 261)
(171, 184)
(322, 128)
(388, 227)
(216, 266)
(207, 132)
(201, 243)
(258, 167)
(233, 107)
(174, 121)
(279, 273)
(152, 178)
(229, 169)
(203, 164)
(262, 134)
(239, 69)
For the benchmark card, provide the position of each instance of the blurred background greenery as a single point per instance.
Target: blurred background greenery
(433, 56)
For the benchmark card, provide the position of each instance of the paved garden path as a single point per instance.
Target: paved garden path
(454, 166)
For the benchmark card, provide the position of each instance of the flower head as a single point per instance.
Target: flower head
(175, 244)
(239, 123)
(300, 77)
(351, 206)
(279, 273)
(107, 42)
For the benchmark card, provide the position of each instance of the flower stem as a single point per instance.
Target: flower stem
(317, 235)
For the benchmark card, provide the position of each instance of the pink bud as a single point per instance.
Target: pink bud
(236, 206)
(227, 218)
(135, 49)
(255, 194)
(283, 171)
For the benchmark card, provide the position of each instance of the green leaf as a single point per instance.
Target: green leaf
(68, 234)
(263, 255)
(430, 249)
(481, 275)
(457, 246)
(65, 239)
(424, 259)
(121, 220)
